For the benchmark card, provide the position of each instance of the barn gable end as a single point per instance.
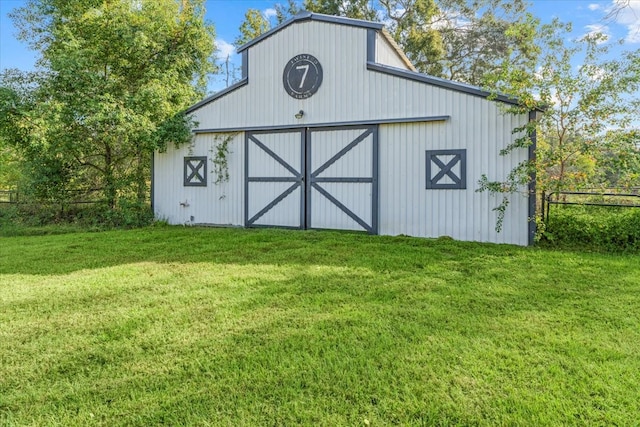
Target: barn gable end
(379, 126)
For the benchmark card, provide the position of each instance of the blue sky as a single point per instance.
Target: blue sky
(227, 16)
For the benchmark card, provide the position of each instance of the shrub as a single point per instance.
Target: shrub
(602, 228)
(127, 214)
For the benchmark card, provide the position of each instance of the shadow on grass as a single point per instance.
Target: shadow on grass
(496, 269)
(68, 252)
(276, 327)
(305, 345)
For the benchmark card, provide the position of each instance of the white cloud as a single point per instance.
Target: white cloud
(627, 13)
(448, 19)
(269, 13)
(553, 98)
(224, 49)
(594, 6)
(596, 29)
(593, 72)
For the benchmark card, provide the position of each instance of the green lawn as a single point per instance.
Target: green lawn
(197, 326)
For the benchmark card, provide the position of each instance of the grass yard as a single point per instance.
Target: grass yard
(197, 326)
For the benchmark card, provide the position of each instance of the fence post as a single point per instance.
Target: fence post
(548, 204)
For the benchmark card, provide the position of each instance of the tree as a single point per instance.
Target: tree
(253, 25)
(619, 165)
(10, 159)
(585, 113)
(27, 152)
(286, 11)
(585, 105)
(356, 9)
(114, 76)
(479, 36)
(411, 23)
(454, 39)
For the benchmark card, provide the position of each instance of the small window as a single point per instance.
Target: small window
(195, 171)
(446, 169)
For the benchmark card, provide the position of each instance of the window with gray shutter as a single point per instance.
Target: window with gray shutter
(195, 171)
(446, 169)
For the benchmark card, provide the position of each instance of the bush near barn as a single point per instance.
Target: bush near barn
(33, 217)
(591, 227)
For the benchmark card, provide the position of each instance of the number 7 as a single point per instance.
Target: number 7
(304, 67)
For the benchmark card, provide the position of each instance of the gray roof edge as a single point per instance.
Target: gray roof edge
(309, 16)
(217, 95)
(436, 81)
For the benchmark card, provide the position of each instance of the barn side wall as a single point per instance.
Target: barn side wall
(408, 207)
(217, 204)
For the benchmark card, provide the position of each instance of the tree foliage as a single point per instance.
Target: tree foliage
(356, 9)
(479, 36)
(253, 25)
(113, 77)
(286, 10)
(619, 164)
(460, 40)
(412, 25)
(585, 113)
(589, 111)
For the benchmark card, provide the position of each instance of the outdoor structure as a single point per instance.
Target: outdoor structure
(331, 127)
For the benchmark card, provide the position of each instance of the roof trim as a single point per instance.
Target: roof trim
(308, 16)
(436, 81)
(328, 124)
(217, 95)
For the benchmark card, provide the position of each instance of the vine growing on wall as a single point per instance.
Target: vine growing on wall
(519, 176)
(220, 157)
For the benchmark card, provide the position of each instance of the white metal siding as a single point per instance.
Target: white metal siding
(387, 54)
(350, 92)
(220, 204)
(341, 51)
(407, 207)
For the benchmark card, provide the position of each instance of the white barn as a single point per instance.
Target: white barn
(331, 127)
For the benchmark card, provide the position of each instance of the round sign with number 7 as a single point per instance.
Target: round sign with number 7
(302, 76)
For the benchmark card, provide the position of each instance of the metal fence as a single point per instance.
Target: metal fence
(73, 197)
(9, 197)
(590, 198)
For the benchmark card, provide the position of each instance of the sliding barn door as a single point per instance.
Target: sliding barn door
(274, 186)
(313, 178)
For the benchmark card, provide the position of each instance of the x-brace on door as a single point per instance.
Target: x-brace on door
(312, 178)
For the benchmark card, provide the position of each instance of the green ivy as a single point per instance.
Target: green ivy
(220, 157)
